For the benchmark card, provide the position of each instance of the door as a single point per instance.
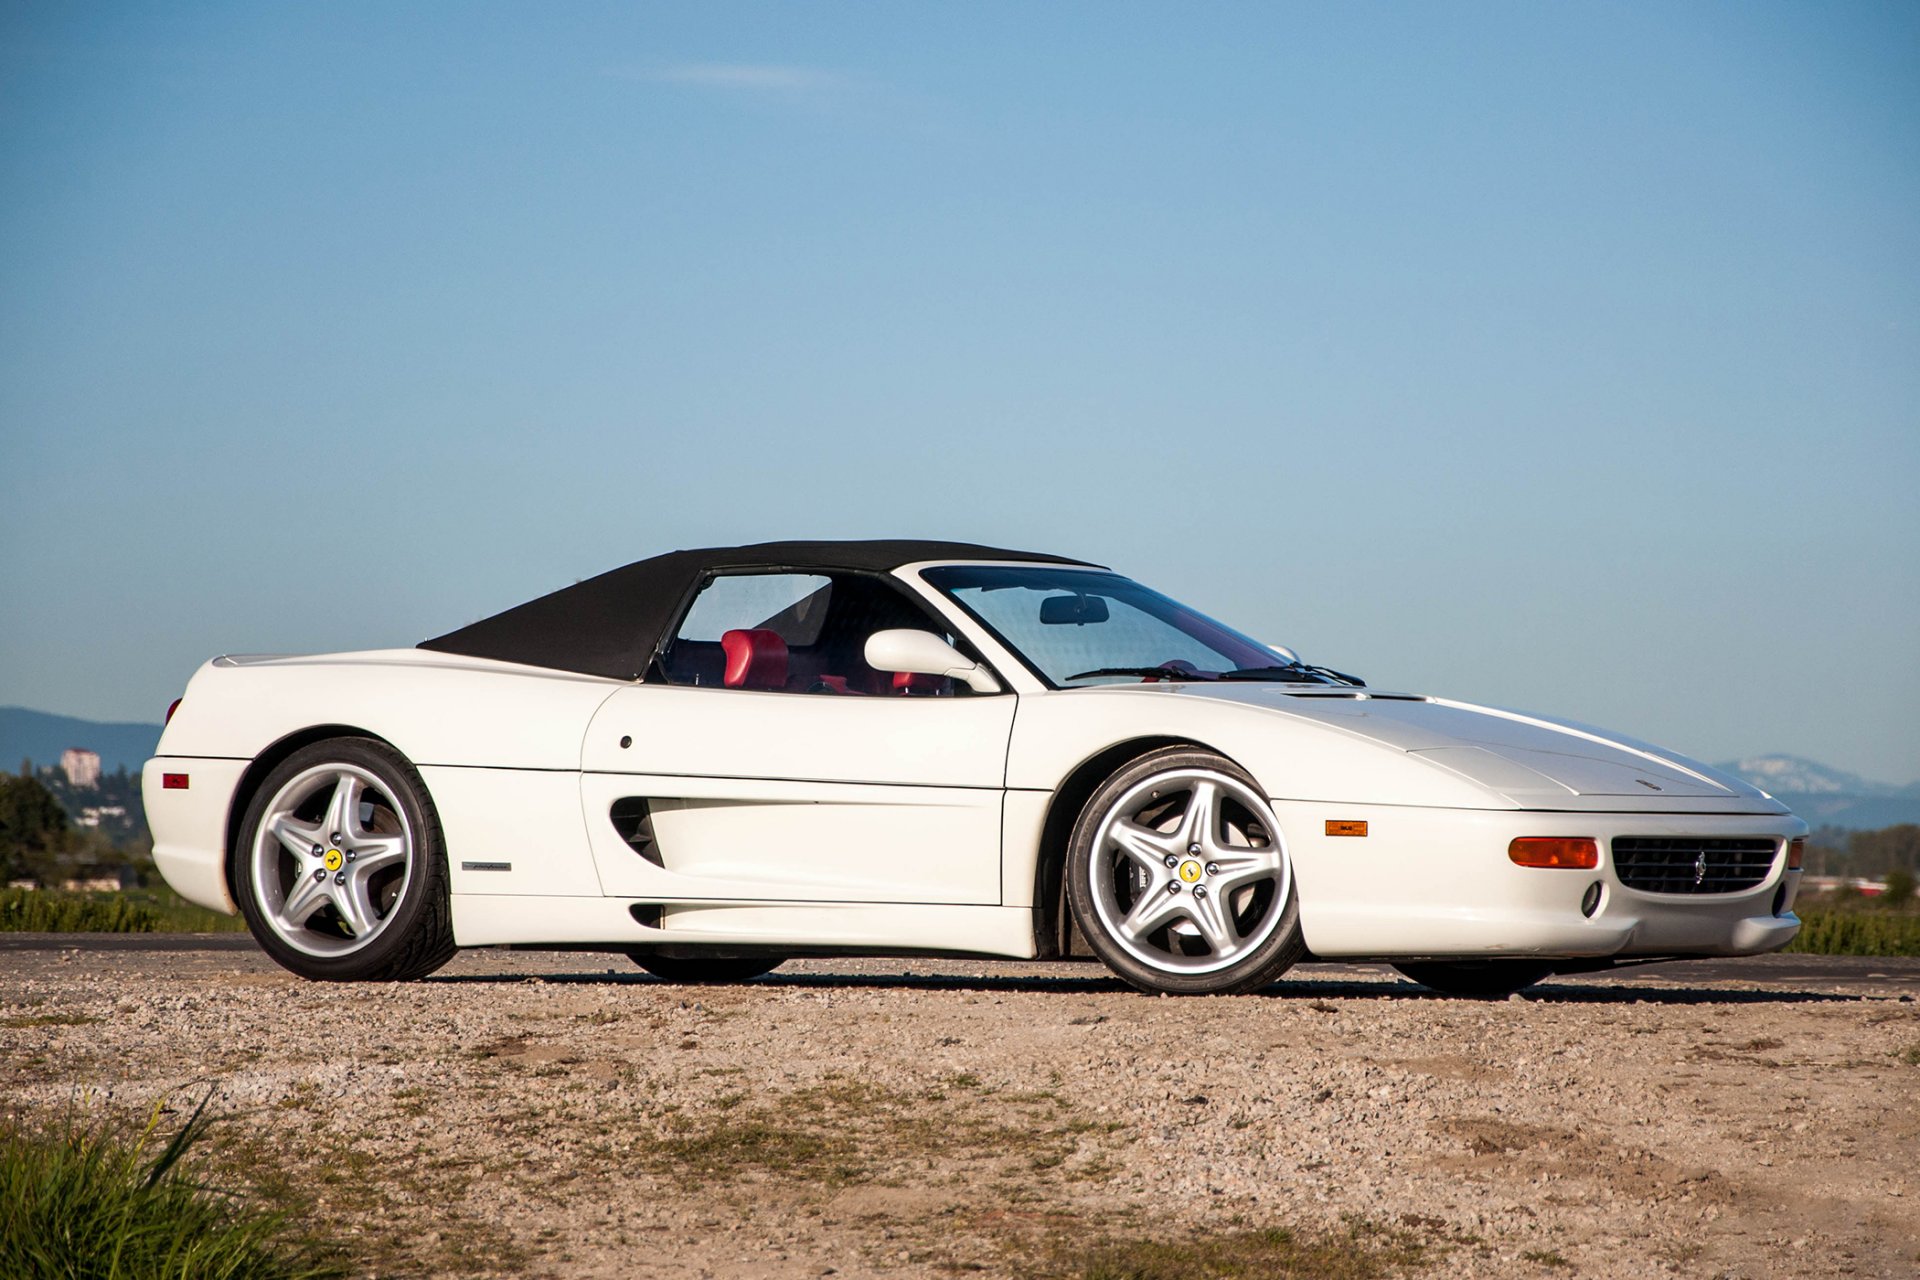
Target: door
(762, 759)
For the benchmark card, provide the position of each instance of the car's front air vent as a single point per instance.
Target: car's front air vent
(1692, 864)
(634, 821)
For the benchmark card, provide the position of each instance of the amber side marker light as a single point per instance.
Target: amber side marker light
(1574, 852)
(1348, 827)
(1796, 851)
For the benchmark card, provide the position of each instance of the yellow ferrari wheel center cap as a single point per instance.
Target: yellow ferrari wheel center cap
(334, 859)
(1190, 871)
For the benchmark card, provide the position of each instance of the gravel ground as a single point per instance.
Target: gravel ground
(540, 1114)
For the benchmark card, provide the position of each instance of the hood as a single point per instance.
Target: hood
(1534, 761)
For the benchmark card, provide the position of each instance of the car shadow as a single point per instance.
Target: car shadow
(1550, 992)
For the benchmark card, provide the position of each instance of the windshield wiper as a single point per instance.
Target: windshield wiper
(1165, 671)
(1295, 673)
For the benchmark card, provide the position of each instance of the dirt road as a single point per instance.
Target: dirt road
(565, 1115)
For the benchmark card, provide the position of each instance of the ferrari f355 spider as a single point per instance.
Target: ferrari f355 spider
(715, 760)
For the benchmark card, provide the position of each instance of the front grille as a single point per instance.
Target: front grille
(1688, 864)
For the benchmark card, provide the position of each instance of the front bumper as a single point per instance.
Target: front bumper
(1437, 884)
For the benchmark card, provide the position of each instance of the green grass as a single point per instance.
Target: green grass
(1359, 1252)
(134, 911)
(1856, 928)
(841, 1133)
(96, 1200)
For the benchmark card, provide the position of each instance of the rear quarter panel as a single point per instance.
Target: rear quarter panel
(497, 745)
(434, 711)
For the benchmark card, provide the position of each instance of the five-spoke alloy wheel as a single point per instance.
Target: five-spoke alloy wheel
(340, 871)
(1179, 878)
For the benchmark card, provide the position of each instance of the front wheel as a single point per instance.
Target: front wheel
(340, 871)
(1179, 878)
(1481, 979)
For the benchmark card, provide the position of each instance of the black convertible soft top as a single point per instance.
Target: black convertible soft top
(613, 624)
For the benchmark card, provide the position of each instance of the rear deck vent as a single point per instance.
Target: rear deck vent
(1692, 864)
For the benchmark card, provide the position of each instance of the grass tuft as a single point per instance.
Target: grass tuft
(95, 1198)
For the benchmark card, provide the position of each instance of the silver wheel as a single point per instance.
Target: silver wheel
(332, 854)
(1189, 874)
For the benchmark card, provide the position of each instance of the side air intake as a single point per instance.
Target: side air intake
(634, 821)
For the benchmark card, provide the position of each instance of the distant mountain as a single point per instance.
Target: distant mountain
(1826, 796)
(40, 737)
(1793, 775)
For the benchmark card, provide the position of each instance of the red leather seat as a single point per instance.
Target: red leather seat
(913, 682)
(756, 659)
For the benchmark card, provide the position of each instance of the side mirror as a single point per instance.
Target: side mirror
(1075, 610)
(1287, 654)
(926, 654)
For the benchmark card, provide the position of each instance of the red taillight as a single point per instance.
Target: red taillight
(1576, 853)
(1796, 851)
(173, 782)
(171, 708)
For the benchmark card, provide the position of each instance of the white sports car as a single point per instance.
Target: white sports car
(714, 760)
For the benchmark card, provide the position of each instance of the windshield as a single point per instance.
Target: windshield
(1078, 627)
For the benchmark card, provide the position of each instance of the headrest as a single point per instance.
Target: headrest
(912, 682)
(756, 659)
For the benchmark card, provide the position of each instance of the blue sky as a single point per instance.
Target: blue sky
(1564, 357)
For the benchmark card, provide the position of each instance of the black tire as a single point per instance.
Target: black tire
(705, 969)
(1105, 883)
(407, 921)
(1477, 979)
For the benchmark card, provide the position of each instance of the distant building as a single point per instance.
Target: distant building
(92, 814)
(81, 766)
(1830, 884)
(102, 880)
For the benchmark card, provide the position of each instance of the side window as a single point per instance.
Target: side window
(791, 604)
(798, 633)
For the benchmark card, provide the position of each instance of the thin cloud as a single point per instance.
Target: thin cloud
(757, 78)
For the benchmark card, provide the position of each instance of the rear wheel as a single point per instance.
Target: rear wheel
(704, 969)
(340, 871)
(1179, 878)
(1486, 979)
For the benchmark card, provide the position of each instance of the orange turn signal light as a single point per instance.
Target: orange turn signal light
(1346, 827)
(1574, 852)
(1796, 853)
